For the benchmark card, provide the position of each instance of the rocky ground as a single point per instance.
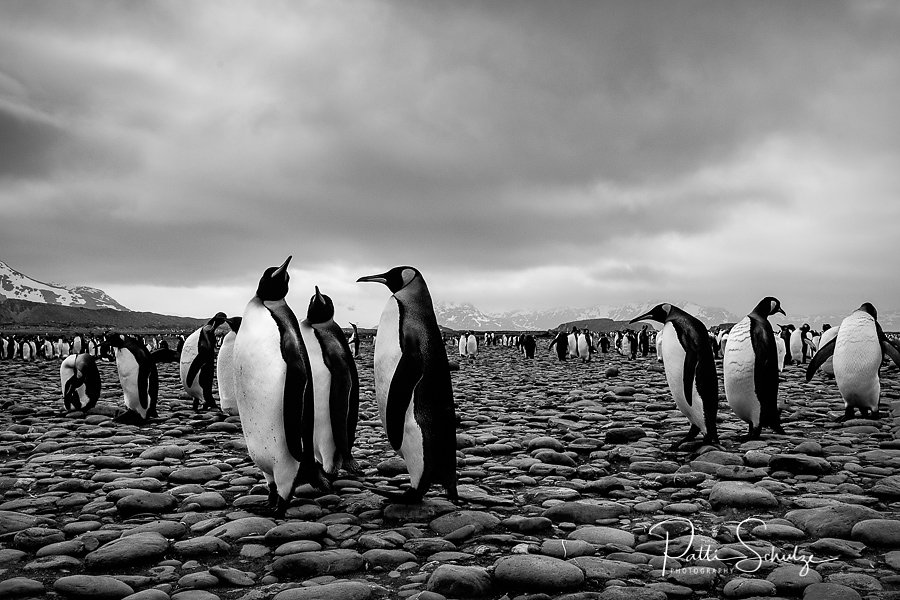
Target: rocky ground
(570, 492)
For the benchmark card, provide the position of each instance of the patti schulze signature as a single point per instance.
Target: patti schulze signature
(708, 552)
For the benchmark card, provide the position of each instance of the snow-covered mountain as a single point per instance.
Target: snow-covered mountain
(466, 316)
(17, 286)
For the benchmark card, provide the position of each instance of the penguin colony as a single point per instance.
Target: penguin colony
(294, 383)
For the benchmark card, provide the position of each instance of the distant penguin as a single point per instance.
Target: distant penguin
(354, 340)
(471, 346)
(274, 391)
(412, 384)
(690, 369)
(138, 377)
(225, 368)
(781, 349)
(26, 351)
(800, 344)
(785, 334)
(658, 344)
(858, 349)
(528, 345)
(572, 344)
(335, 385)
(463, 343)
(4, 348)
(827, 336)
(78, 345)
(79, 380)
(750, 368)
(561, 341)
(583, 345)
(196, 362)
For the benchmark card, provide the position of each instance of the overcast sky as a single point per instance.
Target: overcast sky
(520, 154)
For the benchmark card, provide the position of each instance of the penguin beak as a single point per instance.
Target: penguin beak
(319, 297)
(380, 278)
(780, 310)
(644, 317)
(282, 268)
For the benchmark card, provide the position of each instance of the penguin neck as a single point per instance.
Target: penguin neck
(270, 304)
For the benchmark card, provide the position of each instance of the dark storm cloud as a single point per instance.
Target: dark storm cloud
(189, 143)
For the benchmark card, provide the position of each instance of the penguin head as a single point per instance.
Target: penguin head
(396, 279)
(768, 306)
(321, 308)
(660, 313)
(273, 285)
(867, 307)
(217, 320)
(234, 323)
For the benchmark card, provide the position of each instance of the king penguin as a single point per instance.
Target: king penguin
(80, 382)
(225, 368)
(750, 367)
(138, 376)
(412, 384)
(690, 369)
(335, 386)
(274, 391)
(471, 346)
(858, 349)
(196, 363)
(800, 344)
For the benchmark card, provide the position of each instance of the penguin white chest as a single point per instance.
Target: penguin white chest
(828, 365)
(797, 345)
(225, 374)
(188, 354)
(739, 366)
(781, 348)
(128, 369)
(857, 358)
(323, 434)
(673, 360)
(259, 377)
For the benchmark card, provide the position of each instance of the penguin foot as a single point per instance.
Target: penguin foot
(875, 416)
(281, 506)
(209, 405)
(352, 467)
(196, 405)
(848, 414)
(777, 428)
(273, 496)
(409, 496)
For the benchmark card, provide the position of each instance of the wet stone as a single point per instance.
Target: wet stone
(17, 587)
(460, 581)
(345, 590)
(125, 551)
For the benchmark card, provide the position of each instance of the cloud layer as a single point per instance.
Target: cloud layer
(519, 154)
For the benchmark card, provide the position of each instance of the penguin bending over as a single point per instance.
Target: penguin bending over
(225, 368)
(335, 386)
(690, 369)
(274, 391)
(750, 367)
(138, 376)
(196, 364)
(858, 350)
(80, 382)
(412, 384)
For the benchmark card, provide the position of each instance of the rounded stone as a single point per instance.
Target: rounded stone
(541, 573)
(460, 582)
(92, 587)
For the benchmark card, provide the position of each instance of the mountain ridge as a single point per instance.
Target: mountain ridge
(15, 285)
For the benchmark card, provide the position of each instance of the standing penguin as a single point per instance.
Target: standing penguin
(583, 345)
(690, 369)
(412, 384)
(561, 341)
(274, 391)
(225, 368)
(463, 343)
(335, 385)
(79, 379)
(196, 363)
(354, 340)
(471, 346)
(781, 348)
(859, 348)
(138, 376)
(785, 334)
(750, 366)
(800, 344)
(528, 345)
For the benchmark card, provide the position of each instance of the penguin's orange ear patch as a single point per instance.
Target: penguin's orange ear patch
(408, 275)
(667, 307)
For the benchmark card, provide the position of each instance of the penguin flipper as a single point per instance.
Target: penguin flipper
(406, 377)
(194, 369)
(765, 368)
(691, 359)
(824, 353)
(888, 349)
